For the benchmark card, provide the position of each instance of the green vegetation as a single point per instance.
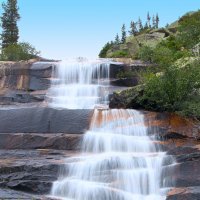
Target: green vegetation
(137, 28)
(16, 52)
(171, 89)
(123, 40)
(126, 74)
(120, 54)
(104, 50)
(9, 23)
(10, 49)
(146, 53)
(173, 82)
(175, 86)
(189, 30)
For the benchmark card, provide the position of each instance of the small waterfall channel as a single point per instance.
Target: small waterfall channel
(121, 157)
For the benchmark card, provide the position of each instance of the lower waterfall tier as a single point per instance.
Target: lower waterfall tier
(119, 161)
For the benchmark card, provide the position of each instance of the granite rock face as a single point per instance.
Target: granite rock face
(28, 174)
(44, 120)
(24, 82)
(180, 138)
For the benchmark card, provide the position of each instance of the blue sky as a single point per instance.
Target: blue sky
(72, 28)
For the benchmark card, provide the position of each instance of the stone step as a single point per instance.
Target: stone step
(44, 120)
(56, 141)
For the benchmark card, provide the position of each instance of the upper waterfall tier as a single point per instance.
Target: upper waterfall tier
(79, 84)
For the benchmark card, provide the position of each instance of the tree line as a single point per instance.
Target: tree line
(137, 27)
(11, 49)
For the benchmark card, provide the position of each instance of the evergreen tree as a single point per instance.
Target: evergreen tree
(10, 32)
(146, 26)
(149, 20)
(117, 40)
(123, 40)
(140, 26)
(157, 21)
(133, 29)
(154, 22)
(104, 50)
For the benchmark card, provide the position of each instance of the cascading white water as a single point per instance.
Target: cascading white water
(120, 160)
(79, 84)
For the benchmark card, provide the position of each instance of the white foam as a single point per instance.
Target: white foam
(119, 161)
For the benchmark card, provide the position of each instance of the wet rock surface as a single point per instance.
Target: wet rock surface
(190, 193)
(44, 120)
(28, 174)
(18, 80)
(29, 141)
(35, 140)
(28, 81)
(8, 194)
(180, 137)
(30, 162)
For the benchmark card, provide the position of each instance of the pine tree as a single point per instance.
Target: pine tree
(146, 26)
(149, 20)
(10, 32)
(133, 29)
(157, 21)
(123, 40)
(117, 41)
(140, 26)
(154, 22)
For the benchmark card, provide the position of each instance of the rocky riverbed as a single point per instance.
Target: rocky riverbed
(35, 140)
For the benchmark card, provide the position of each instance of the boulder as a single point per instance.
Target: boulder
(126, 98)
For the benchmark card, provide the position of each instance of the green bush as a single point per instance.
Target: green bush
(146, 53)
(191, 108)
(120, 54)
(171, 89)
(17, 52)
(163, 56)
(189, 30)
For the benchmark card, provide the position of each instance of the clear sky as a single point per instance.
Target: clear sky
(72, 28)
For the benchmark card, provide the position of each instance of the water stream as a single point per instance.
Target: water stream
(79, 84)
(119, 161)
(121, 157)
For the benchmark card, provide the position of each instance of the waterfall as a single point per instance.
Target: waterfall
(79, 84)
(121, 159)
